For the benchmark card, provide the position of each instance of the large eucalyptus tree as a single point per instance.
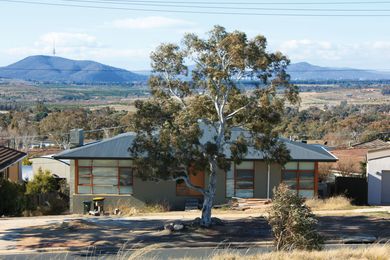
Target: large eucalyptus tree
(170, 142)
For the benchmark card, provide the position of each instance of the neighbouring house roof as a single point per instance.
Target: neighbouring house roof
(9, 156)
(117, 148)
(51, 157)
(379, 153)
(377, 143)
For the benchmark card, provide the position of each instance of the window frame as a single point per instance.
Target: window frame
(92, 185)
(234, 166)
(298, 172)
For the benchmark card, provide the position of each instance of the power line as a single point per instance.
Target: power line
(256, 3)
(164, 4)
(194, 11)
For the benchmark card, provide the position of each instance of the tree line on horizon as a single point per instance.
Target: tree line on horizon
(338, 125)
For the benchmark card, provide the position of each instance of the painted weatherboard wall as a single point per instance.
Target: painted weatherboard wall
(376, 167)
(143, 192)
(165, 191)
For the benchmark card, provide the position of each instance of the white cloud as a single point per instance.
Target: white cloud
(149, 22)
(381, 45)
(358, 54)
(307, 49)
(67, 39)
(78, 46)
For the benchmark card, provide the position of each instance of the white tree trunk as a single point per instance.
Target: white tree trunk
(208, 197)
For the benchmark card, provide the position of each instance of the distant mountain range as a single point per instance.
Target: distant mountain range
(54, 69)
(307, 71)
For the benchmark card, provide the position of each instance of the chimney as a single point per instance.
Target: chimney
(76, 138)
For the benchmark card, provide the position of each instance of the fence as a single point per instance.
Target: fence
(355, 188)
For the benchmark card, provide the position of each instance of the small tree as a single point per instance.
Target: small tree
(42, 182)
(292, 222)
(170, 142)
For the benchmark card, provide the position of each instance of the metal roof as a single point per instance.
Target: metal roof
(9, 156)
(112, 148)
(117, 148)
(374, 144)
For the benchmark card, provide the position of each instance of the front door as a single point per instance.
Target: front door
(197, 180)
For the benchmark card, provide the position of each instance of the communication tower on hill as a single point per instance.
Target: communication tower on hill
(54, 48)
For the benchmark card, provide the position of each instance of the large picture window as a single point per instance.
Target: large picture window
(240, 180)
(300, 176)
(104, 176)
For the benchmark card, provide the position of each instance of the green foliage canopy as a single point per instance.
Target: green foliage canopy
(170, 140)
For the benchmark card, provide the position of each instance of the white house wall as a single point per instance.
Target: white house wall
(56, 167)
(374, 173)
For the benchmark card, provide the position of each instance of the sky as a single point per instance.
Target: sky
(125, 38)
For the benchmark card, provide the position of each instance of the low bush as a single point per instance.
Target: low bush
(12, 200)
(332, 203)
(42, 182)
(292, 222)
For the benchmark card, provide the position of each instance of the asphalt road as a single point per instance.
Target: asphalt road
(171, 253)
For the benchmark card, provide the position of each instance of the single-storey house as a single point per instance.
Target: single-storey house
(105, 169)
(378, 173)
(58, 168)
(11, 164)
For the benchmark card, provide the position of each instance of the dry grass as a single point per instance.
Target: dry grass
(377, 252)
(333, 203)
(131, 210)
(141, 253)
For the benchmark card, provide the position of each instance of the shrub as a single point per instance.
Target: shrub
(12, 200)
(292, 222)
(42, 182)
(46, 195)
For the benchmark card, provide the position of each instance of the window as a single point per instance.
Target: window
(300, 176)
(104, 177)
(125, 180)
(240, 180)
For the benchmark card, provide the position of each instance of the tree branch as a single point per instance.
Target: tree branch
(236, 111)
(173, 93)
(189, 184)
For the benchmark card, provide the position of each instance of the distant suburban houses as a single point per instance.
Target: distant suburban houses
(105, 169)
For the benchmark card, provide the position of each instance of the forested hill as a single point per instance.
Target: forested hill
(54, 69)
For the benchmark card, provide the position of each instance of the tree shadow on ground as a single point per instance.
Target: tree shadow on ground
(336, 227)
